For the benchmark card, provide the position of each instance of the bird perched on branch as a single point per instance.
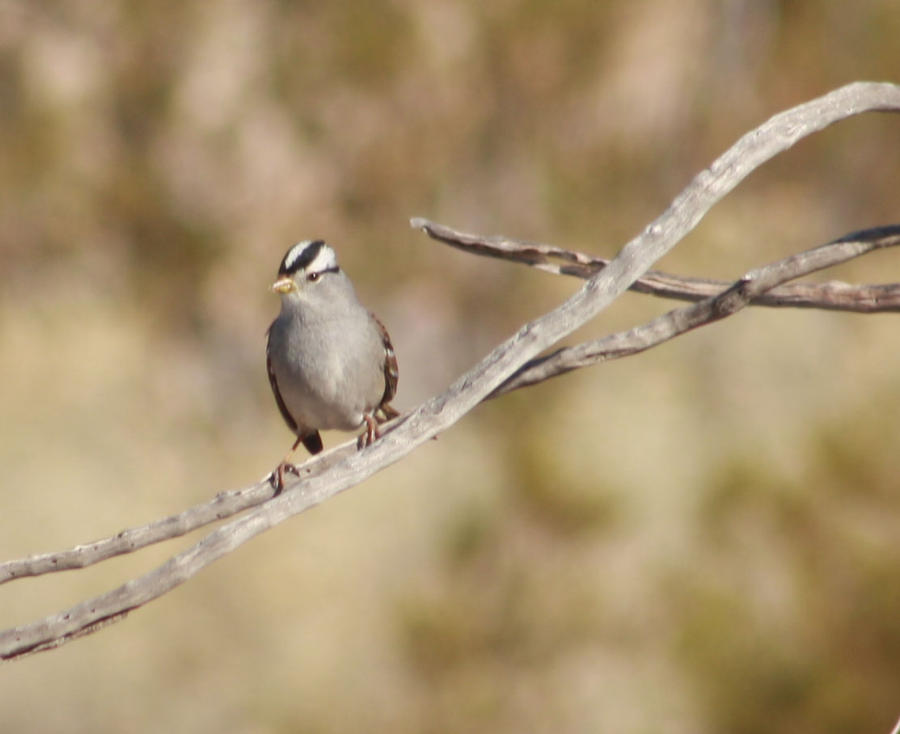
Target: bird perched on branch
(330, 362)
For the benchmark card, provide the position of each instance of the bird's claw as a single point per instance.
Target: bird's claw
(369, 436)
(276, 478)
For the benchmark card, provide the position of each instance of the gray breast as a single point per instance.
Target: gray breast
(332, 371)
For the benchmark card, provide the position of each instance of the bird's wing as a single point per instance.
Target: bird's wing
(391, 369)
(285, 413)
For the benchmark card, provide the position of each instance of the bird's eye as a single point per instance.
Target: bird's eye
(313, 277)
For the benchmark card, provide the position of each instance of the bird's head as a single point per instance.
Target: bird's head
(305, 265)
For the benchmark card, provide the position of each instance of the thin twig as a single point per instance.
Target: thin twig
(744, 292)
(442, 411)
(221, 507)
(833, 295)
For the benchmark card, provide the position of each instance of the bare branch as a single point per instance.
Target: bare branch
(833, 295)
(228, 504)
(221, 507)
(744, 292)
(441, 412)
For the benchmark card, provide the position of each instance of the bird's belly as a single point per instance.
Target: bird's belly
(323, 407)
(322, 387)
(320, 398)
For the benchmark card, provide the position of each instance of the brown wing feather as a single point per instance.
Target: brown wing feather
(285, 413)
(391, 371)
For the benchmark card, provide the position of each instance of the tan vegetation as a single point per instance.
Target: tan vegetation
(701, 538)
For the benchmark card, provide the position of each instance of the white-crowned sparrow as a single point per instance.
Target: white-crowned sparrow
(330, 361)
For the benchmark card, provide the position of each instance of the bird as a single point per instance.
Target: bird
(330, 361)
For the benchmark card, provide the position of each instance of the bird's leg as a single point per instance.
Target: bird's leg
(368, 437)
(276, 478)
(387, 413)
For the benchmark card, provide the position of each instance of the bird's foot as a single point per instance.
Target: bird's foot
(369, 436)
(276, 478)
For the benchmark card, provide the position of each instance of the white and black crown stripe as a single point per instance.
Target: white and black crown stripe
(313, 256)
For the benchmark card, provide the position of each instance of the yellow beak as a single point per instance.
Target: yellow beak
(282, 285)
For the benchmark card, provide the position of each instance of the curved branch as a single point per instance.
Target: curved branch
(441, 412)
(221, 507)
(740, 294)
(834, 295)
(614, 346)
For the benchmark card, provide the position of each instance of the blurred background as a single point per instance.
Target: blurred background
(702, 538)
